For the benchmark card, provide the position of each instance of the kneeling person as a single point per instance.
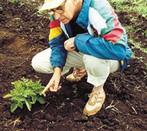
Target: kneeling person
(92, 40)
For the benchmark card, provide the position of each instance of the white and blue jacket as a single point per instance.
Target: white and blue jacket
(97, 32)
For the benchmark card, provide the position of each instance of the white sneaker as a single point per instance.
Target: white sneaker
(76, 75)
(95, 102)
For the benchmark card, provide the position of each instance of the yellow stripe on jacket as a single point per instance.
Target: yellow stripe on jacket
(54, 32)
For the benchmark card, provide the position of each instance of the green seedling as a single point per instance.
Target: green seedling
(25, 92)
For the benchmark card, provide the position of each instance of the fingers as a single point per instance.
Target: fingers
(51, 86)
(69, 45)
(48, 86)
(46, 89)
(54, 87)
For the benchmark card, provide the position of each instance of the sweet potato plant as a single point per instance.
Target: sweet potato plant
(25, 92)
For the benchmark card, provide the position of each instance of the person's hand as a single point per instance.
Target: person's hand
(69, 44)
(53, 84)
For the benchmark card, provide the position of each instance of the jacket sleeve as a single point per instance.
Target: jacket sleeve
(58, 53)
(101, 48)
(96, 20)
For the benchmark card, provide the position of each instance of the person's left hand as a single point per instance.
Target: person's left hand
(69, 44)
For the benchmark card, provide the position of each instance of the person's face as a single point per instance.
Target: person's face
(66, 12)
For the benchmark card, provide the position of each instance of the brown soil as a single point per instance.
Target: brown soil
(22, 35)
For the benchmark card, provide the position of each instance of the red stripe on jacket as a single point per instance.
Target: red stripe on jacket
(54, 23)
(115, 34)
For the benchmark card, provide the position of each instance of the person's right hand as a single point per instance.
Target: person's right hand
(69, 44)
(53, 84)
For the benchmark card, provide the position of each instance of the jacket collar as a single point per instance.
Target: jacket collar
(82, 19)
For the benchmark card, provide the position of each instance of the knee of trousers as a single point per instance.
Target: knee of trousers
(41, 65)
(96, 66)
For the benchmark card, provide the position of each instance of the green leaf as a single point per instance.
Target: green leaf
(29, 105)
(41, 100)
(20, 105)
(13, 107)
(17, 84)
(34, 99)
(28, 93)
(7, 96)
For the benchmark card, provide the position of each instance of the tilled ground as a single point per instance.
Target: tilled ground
(22, 35)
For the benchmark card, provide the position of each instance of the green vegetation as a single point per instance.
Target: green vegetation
(15, 2)
(25, 92)
(133, 8)
(136, 44)
(137, 6)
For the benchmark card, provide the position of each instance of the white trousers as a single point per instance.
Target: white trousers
(97, 69)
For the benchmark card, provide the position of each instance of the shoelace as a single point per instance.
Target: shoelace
(93, 98)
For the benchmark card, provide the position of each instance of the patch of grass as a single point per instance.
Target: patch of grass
(137, 45)
(136, 6)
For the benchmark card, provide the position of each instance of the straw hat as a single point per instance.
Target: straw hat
(51, 4)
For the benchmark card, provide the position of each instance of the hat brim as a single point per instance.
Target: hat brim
(51, 5)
